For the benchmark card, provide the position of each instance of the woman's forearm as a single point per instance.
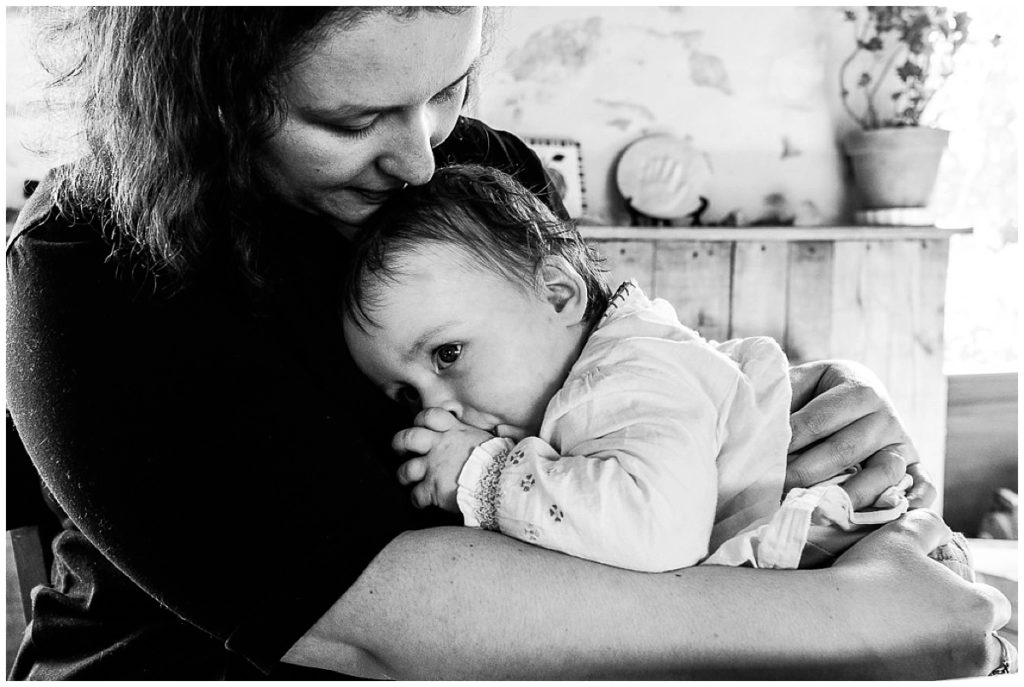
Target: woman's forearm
(459, 603)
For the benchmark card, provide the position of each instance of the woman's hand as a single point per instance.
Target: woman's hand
(842, 417)
(949, 631)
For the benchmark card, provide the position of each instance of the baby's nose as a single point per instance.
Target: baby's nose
(441, 398)
(453, 407)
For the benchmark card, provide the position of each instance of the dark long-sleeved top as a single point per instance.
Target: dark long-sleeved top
(223, 468)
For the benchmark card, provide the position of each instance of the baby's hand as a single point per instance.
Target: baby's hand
(443, 444)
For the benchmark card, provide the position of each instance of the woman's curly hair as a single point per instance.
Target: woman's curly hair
(175, 105)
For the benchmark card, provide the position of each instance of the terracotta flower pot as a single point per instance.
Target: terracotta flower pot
(896, 168)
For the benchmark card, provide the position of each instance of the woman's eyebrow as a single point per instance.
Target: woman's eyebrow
(350, 110)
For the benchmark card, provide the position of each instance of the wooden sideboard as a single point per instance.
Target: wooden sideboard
(871, 294)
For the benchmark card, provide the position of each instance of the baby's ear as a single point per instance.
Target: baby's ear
(564, 289)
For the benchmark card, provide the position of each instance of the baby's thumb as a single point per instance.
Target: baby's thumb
(921, 528)
(510, 432)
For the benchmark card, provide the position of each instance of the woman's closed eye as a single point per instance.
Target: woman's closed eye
(449, 94)
(446, 355)
(356, 129)
(363, 127)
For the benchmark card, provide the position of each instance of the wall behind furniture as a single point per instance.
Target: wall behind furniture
(752, 87)
(981, 445)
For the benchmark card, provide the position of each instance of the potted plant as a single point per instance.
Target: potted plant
(901, 58)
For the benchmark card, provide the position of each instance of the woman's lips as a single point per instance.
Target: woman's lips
(372, 196)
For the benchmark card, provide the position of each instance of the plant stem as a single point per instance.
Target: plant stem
(843, 92)
(900, 49)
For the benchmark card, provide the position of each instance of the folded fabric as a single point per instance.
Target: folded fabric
(779, 540)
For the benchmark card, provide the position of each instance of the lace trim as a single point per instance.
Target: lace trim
(619, 296)
(489, 494)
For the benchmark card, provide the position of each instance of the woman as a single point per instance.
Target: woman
(177, 375)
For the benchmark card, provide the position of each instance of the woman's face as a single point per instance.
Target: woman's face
(366, 107)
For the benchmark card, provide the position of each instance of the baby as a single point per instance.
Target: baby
(566, 416)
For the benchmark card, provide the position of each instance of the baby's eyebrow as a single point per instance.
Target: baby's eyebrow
(425, 339)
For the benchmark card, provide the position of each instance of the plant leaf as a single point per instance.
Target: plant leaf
(909, 70)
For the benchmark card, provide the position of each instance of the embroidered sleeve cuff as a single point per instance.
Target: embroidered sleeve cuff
(478, 492)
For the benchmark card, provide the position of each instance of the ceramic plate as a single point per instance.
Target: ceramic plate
(663, 176)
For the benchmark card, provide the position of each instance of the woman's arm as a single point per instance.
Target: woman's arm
(842, 417)
(461, 603)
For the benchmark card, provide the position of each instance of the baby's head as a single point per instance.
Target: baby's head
(469, 294)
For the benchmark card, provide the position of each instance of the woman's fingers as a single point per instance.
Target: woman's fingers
(879, 472)
(842, 448)
(922, 530)
(922, 494)
(941, 623)
(927, 530)
(828, 412)
(414, 440)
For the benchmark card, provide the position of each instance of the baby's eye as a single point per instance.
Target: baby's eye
(446, 354)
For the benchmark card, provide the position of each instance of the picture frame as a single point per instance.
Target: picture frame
(563, 161)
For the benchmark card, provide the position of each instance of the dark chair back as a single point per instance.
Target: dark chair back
(31, 524)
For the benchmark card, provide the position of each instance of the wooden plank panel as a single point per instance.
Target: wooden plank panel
(626, 260)
(848, 335)
(809, 301)
(931, 384)
(759, 276)
(694, 276)
(887, 301)
(848, 233)
(892, 269)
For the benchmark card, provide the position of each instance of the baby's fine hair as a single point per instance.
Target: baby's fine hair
(482, 211)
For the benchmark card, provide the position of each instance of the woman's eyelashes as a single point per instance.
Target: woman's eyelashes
(364, 128)
(357, 130)
(449, 94)
(446, 355)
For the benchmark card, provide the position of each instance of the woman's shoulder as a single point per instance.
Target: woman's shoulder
(53, 248)
(42, 223)
(473, 142)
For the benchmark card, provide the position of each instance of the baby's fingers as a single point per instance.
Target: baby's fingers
(414, 440)
(412, 471)
(437, 419)
(423, 496)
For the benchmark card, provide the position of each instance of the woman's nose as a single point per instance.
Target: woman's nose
(410, 154)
